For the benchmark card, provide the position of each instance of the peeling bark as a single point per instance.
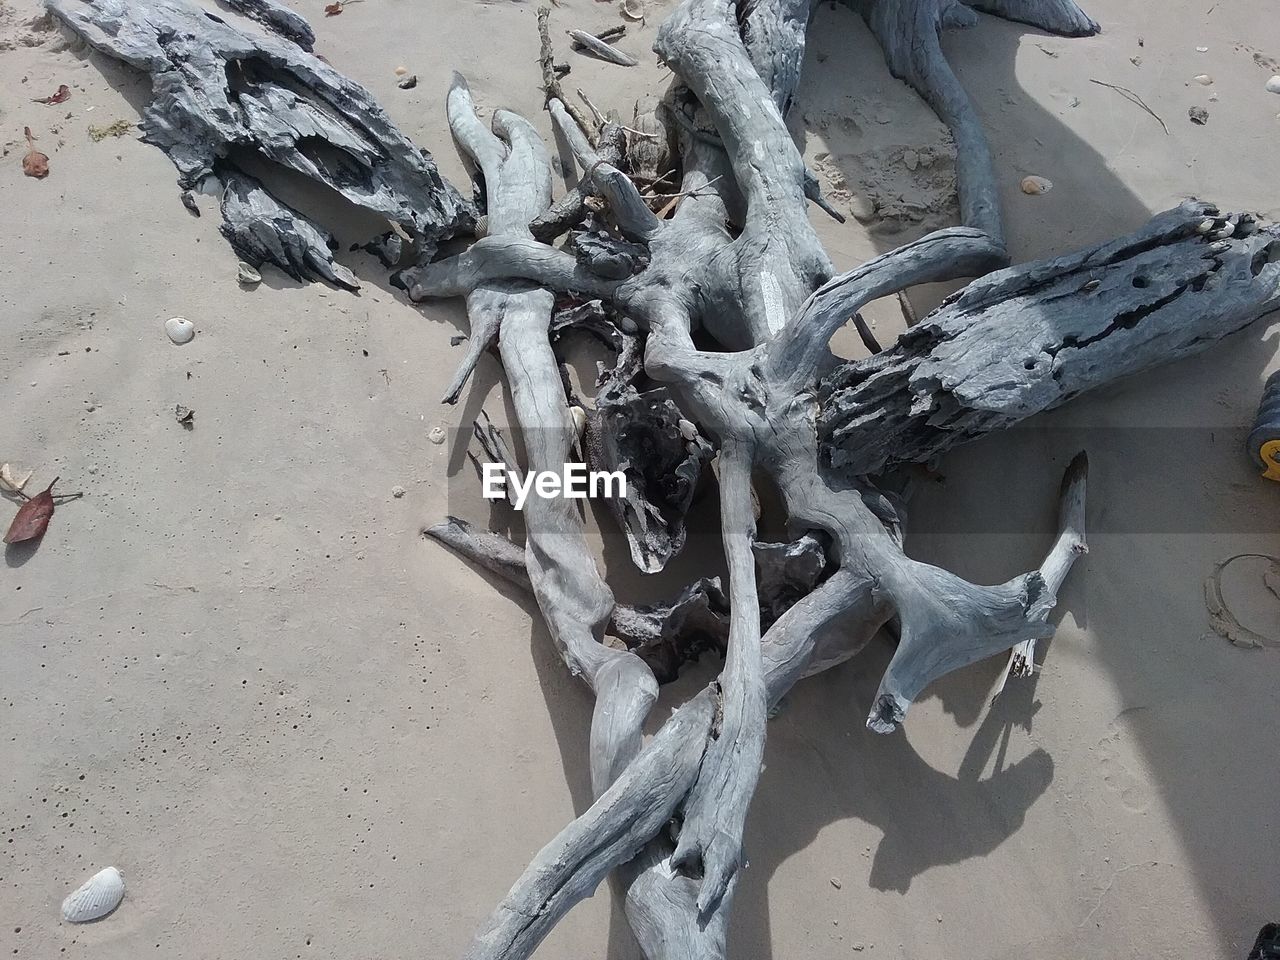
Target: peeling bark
(221, 93)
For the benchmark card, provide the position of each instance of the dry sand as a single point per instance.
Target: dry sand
(236, 671)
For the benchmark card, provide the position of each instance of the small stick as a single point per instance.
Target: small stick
(613, 33)
(595, 112)
(868, 338)
(602, 49)
(1132, 98)
(551, 82)
(684, 193)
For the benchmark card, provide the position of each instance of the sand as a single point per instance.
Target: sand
(236, 671)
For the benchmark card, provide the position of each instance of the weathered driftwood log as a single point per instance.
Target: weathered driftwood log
(1033, 336)
(739, 263)
(767, 294)
(221, 93)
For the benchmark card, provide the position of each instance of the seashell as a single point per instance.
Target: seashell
(1205, 226)
(99, 895)
(1202, 49)
(1273, 85)
(1227, 230)
(688, 430)
(180, 330)
(1092, 285)
(247, 275)
(579, 420)
(633, 10)
(1035, 186)
(401, 71)
(436, 435)
(1203, 79)
(862, 208)
(1198, 115)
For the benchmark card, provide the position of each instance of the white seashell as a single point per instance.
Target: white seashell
(247, 275)
(579, 420)
(1203, 79)
(633, 10)
(1036, 185)
(1273, 85)
(180, 329)
(1202, 49)
(436, 435)
(100, 895)
(1205, 226)
(687, 430)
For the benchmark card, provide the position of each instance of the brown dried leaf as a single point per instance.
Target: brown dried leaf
(32, 518)
(34, 164)
(333, 9)
(63, 93)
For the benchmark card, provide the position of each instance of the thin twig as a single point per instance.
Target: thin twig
(696, 191)
(1132, 98)
(551, 83)
(868, 338)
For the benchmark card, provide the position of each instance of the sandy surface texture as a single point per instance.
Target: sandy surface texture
(236, 671)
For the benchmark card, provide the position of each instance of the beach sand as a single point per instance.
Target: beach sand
(235, 670)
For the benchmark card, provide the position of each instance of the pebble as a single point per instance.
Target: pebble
(1273, 85)
(409, 82)
(1198, 115)
(1034, 186)
(180, 330)
(401, 71)
(436, 435)
(862, 208)
(397, 492)
(911, 159)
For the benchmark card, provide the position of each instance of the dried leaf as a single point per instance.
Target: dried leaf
(32, 517)
(34, 164)
(333, 9)
(63, 93)
(9, 481)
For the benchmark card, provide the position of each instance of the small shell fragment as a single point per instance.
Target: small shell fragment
(1092, 285)
(436, 435)
(99, 895)
(1273, 85)
(247, 275)
(579, 420)
(1202, 49)
(688, 430)
(1198, 115)
(180, 330)
(1034, 186)
(633, 10)
(401, 71)
(1203, 79)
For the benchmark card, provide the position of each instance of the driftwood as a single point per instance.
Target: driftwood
(1012, 343)
(221, 94)
(721, 318)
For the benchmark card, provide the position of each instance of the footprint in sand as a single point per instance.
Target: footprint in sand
(1117, 760)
